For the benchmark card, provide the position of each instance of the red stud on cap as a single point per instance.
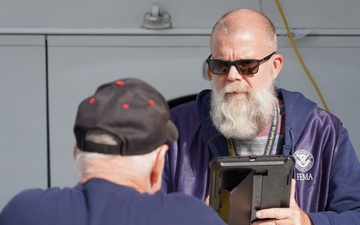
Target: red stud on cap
(120, 83)
(126, 106)
(92, 100)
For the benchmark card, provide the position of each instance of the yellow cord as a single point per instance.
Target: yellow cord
(299, 56)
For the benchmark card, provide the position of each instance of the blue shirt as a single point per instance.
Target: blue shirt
(101, 202)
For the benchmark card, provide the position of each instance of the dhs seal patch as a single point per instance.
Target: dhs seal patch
(304, 160)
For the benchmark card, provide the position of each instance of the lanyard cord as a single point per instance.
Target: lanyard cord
(271, 136)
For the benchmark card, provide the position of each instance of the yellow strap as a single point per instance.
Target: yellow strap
(231, 147)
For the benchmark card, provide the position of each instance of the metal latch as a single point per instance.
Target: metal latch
(156, 19)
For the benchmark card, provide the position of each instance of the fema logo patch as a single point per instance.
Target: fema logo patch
(304, 160)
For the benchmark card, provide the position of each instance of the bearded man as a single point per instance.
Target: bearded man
(245, 114)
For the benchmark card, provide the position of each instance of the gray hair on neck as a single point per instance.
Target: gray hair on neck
(84, 159)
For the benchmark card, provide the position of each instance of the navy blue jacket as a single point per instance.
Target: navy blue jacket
(100, 202)
(327, 169)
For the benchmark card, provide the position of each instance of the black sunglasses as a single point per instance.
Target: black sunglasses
(243, 66)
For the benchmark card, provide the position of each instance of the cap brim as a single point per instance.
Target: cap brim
(172, 131)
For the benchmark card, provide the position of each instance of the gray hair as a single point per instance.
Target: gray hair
(83, 159)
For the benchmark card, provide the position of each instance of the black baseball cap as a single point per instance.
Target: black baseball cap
(130, 110)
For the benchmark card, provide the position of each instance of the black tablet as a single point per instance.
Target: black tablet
(239, 186)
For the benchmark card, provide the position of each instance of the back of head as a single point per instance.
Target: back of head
(243, 21)
(130, 111)
(120, 134)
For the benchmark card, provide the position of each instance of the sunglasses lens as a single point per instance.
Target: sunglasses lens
(244, 67)
(247, 67)
(218, 67)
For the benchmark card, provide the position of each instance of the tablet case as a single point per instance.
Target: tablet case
(239, 186)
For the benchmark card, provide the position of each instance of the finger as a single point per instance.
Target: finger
(272, 213)
(292, 192)
(207, 200)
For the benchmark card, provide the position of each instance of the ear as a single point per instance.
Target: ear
(74, 151)
(277, 65)
(158, 168)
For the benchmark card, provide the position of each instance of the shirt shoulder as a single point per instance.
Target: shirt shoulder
(26, 203)
(183, 209)
(39, 206)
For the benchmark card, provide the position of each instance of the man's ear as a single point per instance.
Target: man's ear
(158, 168)
(277, 65)
(75, 151)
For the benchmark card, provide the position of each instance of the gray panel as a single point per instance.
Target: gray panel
(111, 13)
(76, 71)
(310, 14)
(333, 63)
(176, 70)
(184, 14)
(23, 162)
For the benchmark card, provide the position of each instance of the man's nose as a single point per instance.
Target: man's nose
(234, 74)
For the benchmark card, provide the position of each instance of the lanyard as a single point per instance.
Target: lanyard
(270, 141)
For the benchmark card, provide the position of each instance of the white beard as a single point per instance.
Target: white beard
(242, 118)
